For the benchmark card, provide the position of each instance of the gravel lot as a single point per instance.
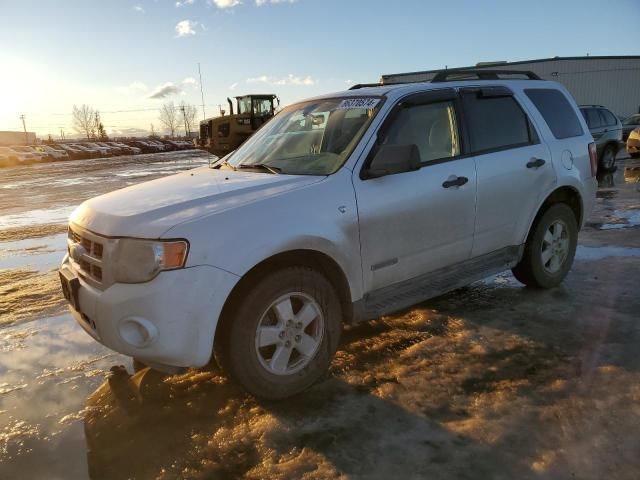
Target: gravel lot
(490, 381)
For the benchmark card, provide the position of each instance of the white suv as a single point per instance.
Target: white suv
(342, 208)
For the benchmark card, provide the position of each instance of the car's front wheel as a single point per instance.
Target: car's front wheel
(550, 248)
(281, 334)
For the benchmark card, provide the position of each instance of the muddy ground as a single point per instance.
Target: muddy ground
(492, 381)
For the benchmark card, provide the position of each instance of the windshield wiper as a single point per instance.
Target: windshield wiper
(259, 166)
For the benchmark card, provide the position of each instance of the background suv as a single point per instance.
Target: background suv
(606, 130)
(342, 208)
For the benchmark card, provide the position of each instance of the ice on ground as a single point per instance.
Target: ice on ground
(36, 217)
(628, 218)
(598, 253)
(42, 253)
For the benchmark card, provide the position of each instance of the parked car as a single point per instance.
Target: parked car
(146, 147)
(104, 151)
(630, 124)
(52, 153)
(633, 143)
(126, 149)
(113, 150)
(343, 208)
(75, 153)
(33, 155)
(161, 146)
(91, 152)
(606, 130)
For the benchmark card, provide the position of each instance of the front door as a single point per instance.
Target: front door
(416, 222)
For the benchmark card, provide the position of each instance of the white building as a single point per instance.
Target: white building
(610, 81)
(17, 138)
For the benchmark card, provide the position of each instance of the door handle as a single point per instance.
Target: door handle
(535, 163)
(454, 181)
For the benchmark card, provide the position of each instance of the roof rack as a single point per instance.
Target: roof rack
(479, 74)
(365, 85)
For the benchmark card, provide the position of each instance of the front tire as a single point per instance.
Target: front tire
(550, 248)
(281, 335)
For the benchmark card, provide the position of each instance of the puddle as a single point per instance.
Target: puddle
(42, 253)
(591, 254)
(45, 381)
(37, 217)
(628, 218)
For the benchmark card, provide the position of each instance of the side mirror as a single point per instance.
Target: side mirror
(393, 159)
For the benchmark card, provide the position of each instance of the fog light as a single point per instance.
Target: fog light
(138, 332)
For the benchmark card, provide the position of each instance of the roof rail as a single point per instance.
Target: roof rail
(365, 85)
(480, 74)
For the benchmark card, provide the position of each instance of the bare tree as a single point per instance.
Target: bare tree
(189, 113)
(84, 120)
(169, 117)
(153, 131)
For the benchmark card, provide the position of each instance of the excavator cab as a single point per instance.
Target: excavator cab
(223, 134)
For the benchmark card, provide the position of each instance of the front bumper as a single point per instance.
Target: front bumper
(170, 320)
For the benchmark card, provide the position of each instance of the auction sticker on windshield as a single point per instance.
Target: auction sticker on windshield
(365, 103)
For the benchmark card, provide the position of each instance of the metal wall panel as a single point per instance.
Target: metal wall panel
(613, 82)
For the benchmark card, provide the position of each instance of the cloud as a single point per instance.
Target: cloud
(186, 28)
(166, 90)
(129, 132)
(226, 3)
(138, 86)
(132, 88)
(138, 8)
(288, 80)
(260, 3)
(189, 81)
(184, 2)
(233, 86)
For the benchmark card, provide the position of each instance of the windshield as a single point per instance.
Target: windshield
(311, 138)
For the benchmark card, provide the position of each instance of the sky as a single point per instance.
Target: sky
(128, 57)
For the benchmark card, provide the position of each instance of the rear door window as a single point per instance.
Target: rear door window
(556, 111)
(609, 118)
(593, 118)
(495, 122)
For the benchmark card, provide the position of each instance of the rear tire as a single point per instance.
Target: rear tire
(281, 335)
(550, 248)
(608, 158)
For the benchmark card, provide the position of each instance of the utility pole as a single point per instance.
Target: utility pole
(184, 117)
(24, 126)
(204, 115)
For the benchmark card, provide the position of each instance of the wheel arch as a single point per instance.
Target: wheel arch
(564, 194)
(299, 257)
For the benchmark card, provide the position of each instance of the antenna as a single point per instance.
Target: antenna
(204, 115)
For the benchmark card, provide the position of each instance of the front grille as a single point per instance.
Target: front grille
(88, 260)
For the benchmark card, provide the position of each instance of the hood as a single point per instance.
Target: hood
(149, 209)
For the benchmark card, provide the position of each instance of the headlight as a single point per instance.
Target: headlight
(138, 261)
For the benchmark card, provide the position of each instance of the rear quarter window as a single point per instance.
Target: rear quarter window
(609, 118)
(556, 111)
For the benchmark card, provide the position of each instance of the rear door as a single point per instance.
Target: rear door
(513, 166)
(612, 126)
(415, 222)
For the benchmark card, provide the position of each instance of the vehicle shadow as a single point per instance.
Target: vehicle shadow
(491, 381)
(201, 426)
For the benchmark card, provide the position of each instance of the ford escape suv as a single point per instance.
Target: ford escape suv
(341, 208)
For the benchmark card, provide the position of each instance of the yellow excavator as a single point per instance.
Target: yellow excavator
(223, 134)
